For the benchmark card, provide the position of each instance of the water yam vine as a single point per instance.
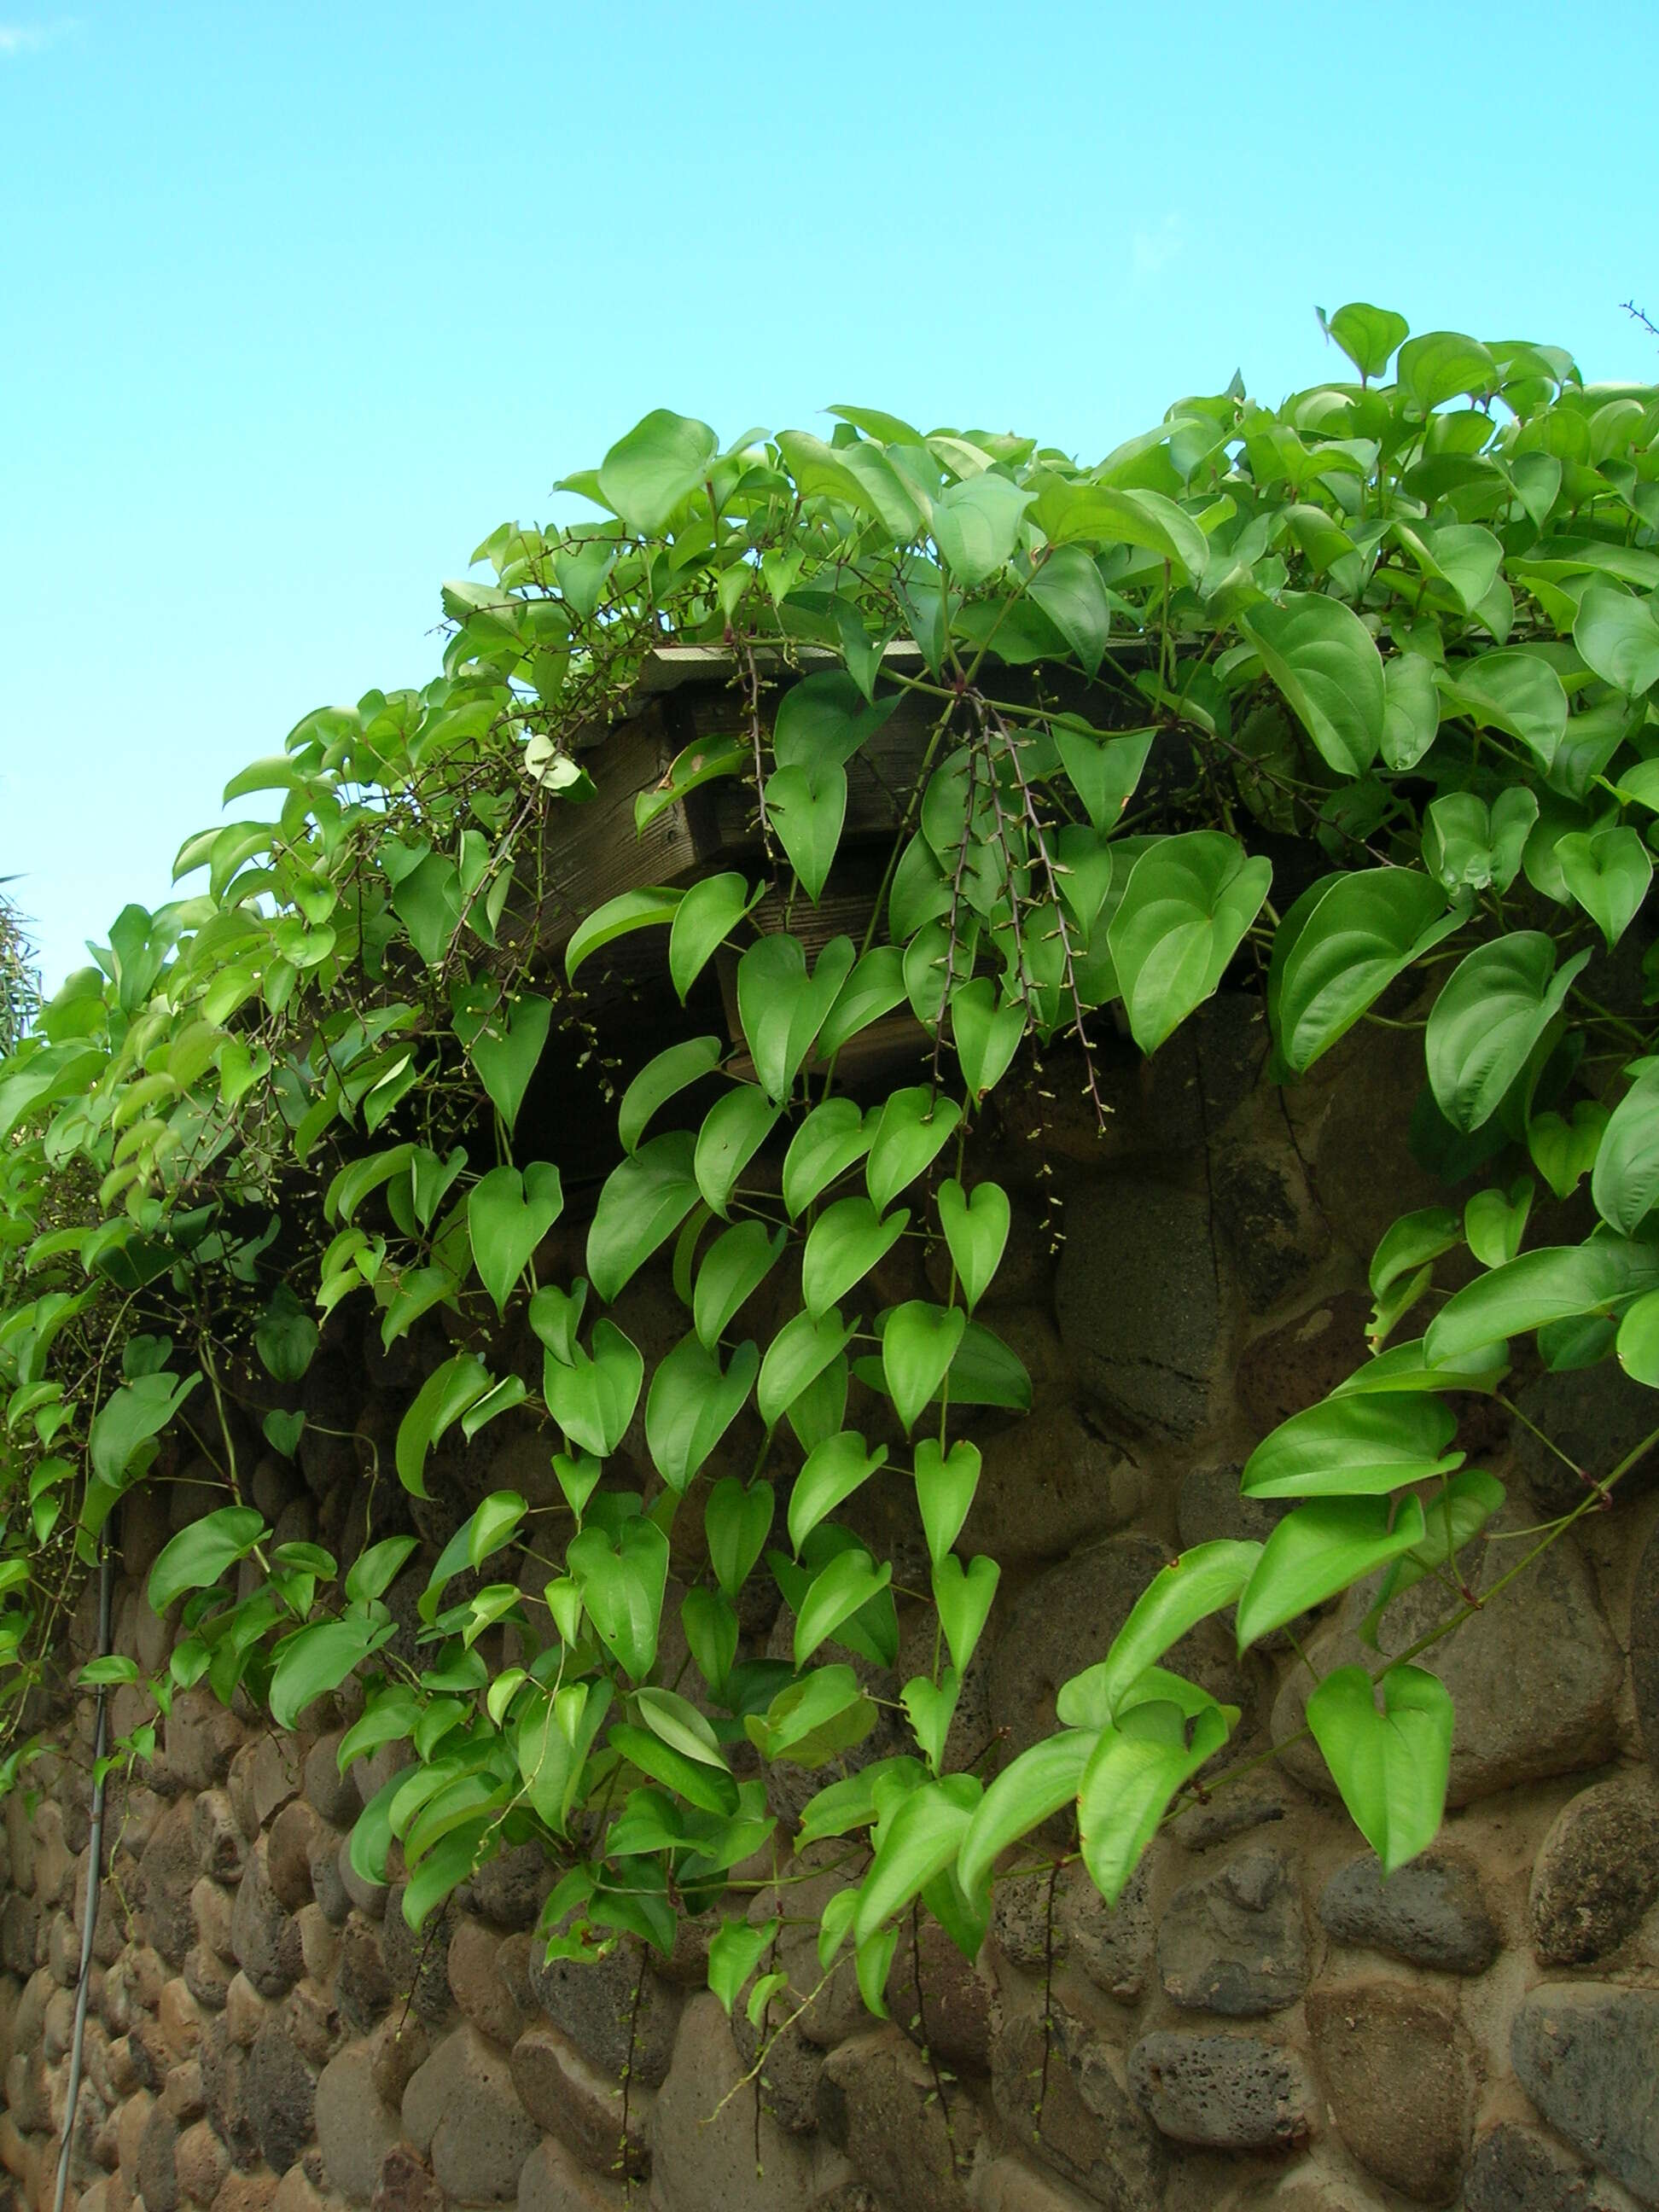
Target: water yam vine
(1347, 702)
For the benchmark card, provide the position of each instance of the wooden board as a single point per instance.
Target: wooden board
(589, 851)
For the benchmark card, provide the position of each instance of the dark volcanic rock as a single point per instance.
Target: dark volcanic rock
(1235, 1942)
(1089, 2129)
(1223, 2092)
(166, 1875)
(1138, 1301)
(1430, 1912)
(1516, 2169)
(593, 2001)
(1598, 1871)
(1597, 1416)
(263, 1933)
(1266, 1212)
(1584, 2051)
(1293, 1366)
(282, 2096)
(1047, 1485)
(157, 2173)
(880, 2105)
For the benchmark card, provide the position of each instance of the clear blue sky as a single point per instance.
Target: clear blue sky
(300, 301)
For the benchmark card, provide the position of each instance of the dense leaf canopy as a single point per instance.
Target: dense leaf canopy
(1348, 701)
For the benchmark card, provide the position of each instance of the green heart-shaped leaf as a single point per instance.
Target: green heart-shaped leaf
(660, 1079)
(1354, 1447)
(1626, 1181)
(800, 1352)
(505, 1047)
(692, 1404)
(976, 1227)
(508, 1215)
(821, 1408)
(976, 525)
(782, 1009)
(736, 1265)
(1204, 1579)
(912, 1128)
(932, 1708)
(874, 988)
(593, 1399)
(1325, 661)
(703, 920)
(987, 1036)
(833, 1138)
(642, 1203)
(510, 1391)
(1029, 1788)
(284, 1336)
(1068, 588)
(945, 1491)
(1390, 1766)
(1133, 1772)
(200, 1553)
(282, 1431)
(737, 1522)
(1608, 872)
(733, 1130)
(1411, 710)
(556, 1315)
(1318, 1550)
(808, 806)
(1493, 1225)
(710, 1621)
(1638, 1341)
(1515, 691)
(843, 1246)
(850, 1582)
(1186, 907)
(838, 1466)
(663, 460)
(1366, 334)
(578, 1479)
(1340, 946)
(439, 1402)
(1619, 636)
(622, 1588)
(429, 1179)
(917, 1345)
(1556, 1283)
(1493, 1011)
(963, 1596)
(824, 718)
(1104, 770)
(319, 1659)
(1563, 1152)
(809, 1722)
(1469, 846)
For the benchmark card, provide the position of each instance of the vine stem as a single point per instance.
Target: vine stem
(1040, 840)
(751, 700)
(960, 870)
(765, 2051)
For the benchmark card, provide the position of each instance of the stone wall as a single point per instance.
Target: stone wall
(1261, 2022)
